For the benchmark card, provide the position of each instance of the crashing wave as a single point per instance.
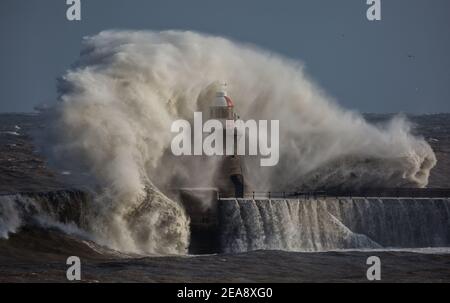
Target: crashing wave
(118, 101)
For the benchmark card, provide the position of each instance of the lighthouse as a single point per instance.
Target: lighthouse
(230, 179)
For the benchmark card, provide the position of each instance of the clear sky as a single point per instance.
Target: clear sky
(401, 63)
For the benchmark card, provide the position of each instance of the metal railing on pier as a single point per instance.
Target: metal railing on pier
(274, 195)
(362, 193)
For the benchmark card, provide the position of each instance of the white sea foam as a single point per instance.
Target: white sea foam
(118, 101)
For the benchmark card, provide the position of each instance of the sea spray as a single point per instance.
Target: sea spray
(116, 105)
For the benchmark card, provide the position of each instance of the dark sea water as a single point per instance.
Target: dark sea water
(35, 252)
(42, 261)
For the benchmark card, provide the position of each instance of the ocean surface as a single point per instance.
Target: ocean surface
(41, 224)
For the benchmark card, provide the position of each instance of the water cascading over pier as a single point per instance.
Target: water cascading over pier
(333, 223)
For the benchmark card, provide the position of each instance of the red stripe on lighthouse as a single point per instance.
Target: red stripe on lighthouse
(229, 101)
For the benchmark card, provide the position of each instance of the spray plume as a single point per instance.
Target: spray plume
(118, 102)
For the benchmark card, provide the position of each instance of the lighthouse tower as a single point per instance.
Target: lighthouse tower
(230, 180)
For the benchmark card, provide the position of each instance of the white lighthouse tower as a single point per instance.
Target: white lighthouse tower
(231, 175)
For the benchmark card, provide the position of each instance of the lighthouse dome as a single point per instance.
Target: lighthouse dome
(222, 100)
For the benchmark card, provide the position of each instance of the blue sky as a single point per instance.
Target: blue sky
(399, 64)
